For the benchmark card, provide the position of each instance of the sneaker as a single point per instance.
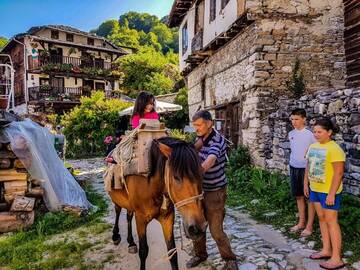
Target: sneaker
(231, 265)
(194, 261)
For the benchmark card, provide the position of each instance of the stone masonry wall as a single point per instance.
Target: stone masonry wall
(254, 69)
(342, 106)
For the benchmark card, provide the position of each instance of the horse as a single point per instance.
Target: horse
(175, 177)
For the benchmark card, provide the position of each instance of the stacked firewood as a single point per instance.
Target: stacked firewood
(19, 193)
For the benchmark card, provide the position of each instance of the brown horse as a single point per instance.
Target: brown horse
(175, 174)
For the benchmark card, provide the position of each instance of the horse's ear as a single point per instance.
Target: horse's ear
(165, 150)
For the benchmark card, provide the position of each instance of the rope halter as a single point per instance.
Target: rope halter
(185, 201)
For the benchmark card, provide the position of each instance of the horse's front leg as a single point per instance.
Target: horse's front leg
(141, 224)
(167, 224)
(130, 239)
(116, 236)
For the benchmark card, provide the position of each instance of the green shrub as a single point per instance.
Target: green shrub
(86, 126)
(179, 134)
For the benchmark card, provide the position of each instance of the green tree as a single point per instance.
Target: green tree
(148, 70)
(107, 28)
(126, 36)
(139, 21)
(178, 120)
(101, 117)
(164, 36)
(3, 42)
(150, 39)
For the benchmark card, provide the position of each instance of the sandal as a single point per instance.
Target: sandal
(296, 228)
(331, 266)
(319, 256)
(305, 233)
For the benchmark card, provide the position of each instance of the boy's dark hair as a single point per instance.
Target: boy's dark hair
(204, 114)
(327, 124)
(143, 99)
(299, 112)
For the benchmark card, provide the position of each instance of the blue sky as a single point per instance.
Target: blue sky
(17, 16)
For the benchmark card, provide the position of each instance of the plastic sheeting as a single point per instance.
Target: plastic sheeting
(34, 146)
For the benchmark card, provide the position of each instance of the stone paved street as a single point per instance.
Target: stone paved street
(257, 246)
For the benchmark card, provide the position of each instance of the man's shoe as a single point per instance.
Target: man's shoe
(231, 265)
(194, 261)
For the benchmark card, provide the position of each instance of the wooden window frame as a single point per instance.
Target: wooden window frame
(54, 34)
(184, 38)
(69, 37)
(91, 41)
(203, 91)
(212, 8)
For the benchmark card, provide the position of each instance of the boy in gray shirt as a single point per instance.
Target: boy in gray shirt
(300, 139)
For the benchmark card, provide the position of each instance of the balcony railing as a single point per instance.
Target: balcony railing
(62, 94)
(68, 62)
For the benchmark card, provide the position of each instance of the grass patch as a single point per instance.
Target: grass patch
(30, 249)
(272, 192)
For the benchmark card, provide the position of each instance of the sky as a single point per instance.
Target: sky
(17, 16)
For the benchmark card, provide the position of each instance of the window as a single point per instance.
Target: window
(212, 10)
(54, 34)
(70, 37)
(224, 3)
(184, 38)
(76, 81)
(203, 91)
(90, 41)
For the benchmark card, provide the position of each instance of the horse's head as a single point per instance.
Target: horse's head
(180, 168)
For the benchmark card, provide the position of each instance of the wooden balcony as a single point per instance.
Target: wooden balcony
(57, 94)
(67, 63)
(197, 42)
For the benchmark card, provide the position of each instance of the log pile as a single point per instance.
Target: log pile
(19, 194)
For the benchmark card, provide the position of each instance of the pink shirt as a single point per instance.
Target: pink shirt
(135, 121)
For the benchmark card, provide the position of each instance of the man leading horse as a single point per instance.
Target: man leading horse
(212, 151)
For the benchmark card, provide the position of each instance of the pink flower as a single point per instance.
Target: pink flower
(108, 139)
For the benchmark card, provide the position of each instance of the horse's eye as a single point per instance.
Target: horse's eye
(177, 178)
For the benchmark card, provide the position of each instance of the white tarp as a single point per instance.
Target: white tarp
(160, 106)
(34, 146)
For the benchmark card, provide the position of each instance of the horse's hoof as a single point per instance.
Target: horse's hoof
(116, 239)
(133, 249)
(116, 242)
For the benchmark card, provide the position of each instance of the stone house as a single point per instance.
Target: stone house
(238, 58)
(56, 65)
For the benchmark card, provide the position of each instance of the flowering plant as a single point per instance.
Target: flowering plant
(108, 139)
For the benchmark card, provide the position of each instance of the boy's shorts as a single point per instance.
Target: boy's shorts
(321, 198)
(297, 181)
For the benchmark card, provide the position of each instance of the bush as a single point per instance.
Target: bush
(179, 134)
(86, 126)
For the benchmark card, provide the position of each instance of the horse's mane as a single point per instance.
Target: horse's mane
(184, 160)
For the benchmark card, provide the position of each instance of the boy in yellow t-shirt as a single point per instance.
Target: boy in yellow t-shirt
(324, 170)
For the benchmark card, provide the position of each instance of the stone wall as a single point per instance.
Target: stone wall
(342, 106)
(256, 65)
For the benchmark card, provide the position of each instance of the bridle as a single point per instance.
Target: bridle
(182, 202)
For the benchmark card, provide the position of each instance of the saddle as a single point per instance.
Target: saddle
(132, 154)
